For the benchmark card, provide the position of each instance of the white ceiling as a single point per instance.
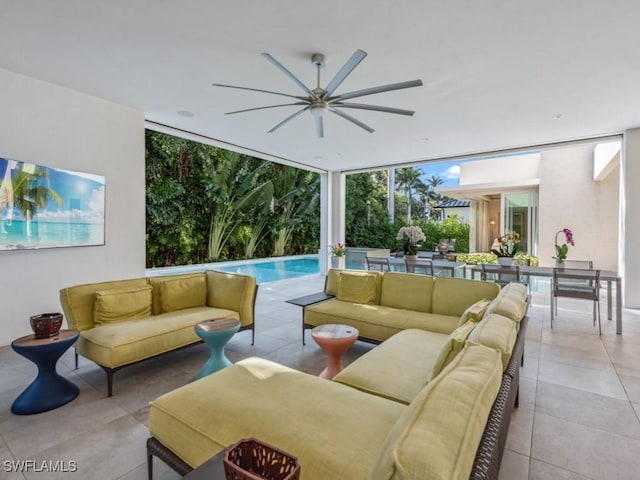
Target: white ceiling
(495, 73)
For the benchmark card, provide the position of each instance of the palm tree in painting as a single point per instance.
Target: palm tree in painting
(30, 192)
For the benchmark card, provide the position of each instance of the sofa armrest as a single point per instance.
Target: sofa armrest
(232, 291)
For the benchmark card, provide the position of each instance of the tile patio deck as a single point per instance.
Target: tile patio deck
(578, 417)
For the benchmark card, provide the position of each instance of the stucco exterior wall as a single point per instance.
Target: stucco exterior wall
(500, 169)
(569, 198)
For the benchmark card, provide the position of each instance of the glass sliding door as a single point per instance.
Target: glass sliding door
(520, 215)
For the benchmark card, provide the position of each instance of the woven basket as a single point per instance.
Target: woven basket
(46, 325)
(252, 459)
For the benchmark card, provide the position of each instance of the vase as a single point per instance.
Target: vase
(559, 263)
(505, 260)
(411, 258)
(46, 325)
(338, 262)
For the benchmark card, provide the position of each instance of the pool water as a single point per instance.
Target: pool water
(273, 270)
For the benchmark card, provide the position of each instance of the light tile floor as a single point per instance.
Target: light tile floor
(578, 415)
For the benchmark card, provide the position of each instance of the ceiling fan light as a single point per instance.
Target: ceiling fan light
(319, 110)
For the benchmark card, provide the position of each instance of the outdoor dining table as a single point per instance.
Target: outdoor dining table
(605, 275)
(447, 265)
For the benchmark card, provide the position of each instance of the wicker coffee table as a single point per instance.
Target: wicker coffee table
(334, 339)
(216, 333)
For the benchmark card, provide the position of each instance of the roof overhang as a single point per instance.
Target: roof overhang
(484, 191)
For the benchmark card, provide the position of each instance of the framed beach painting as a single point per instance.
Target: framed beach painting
(43, 207)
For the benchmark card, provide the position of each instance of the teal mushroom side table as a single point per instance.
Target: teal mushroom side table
(216, 333)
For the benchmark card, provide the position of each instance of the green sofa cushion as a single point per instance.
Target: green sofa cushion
(122, 304)
(413, 353)
(407, 291)
(335, 431)
(376, 322)
(515, 290)
(358, 287)
(436, 438)
(475, 312)
(498, 332)
(452, 296)
(509, 307)
(116, 344)
(451, 347)
(79, 301)
(155, 282)
(181, 293)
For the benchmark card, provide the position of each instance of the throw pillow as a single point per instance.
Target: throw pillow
(181, 293)
(497, 332)
(358, 287)
(113, 306)
(475, 312)
(454, 344)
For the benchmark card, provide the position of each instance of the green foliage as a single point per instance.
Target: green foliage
(478, 258)
(206, 203)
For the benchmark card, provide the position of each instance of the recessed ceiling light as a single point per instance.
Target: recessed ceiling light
(558, 116)
(186, 113)
(425, 139)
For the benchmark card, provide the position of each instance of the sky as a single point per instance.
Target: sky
(447, 171)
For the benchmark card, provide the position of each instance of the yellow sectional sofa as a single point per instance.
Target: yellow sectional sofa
(125, 321)
(422, 405)
(380, 305)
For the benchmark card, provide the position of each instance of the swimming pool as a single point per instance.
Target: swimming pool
(272, 270)
(264, 269)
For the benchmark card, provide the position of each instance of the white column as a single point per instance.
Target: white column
(332, 214)
(629, 258)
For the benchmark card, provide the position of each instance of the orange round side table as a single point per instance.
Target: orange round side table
(334, 339)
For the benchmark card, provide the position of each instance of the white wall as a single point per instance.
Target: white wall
(56, 127)
(569, 198)
(500, 169)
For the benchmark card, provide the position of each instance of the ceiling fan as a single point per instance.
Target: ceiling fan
(320, 100)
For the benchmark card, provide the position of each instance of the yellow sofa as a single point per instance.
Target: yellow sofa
(125, 321)
(446, 418)
(380, 305)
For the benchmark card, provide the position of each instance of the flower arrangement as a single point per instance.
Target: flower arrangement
(411, 236)
(563, 250)
(338, 250)
(507, 244)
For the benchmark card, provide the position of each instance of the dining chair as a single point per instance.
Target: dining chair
(377, 263)
(500, 274)
(576, 283)
(421, 265)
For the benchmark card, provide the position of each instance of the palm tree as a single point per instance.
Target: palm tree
(407, 180)
(30, 193)
(433, 197)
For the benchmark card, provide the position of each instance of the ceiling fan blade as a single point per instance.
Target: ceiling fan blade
(264, 108)
(346, 116)
(284, 70)
(375, 108)
(319, 127)
(258, 90)
(370, 91)
(290, 117)
(346, 69)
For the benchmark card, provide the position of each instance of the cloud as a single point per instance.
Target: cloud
(452, 173)
(96, 202)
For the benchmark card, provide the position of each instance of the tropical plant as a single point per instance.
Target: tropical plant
(30, 192)
(563, 250)
(338, 250)
(408, 180)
